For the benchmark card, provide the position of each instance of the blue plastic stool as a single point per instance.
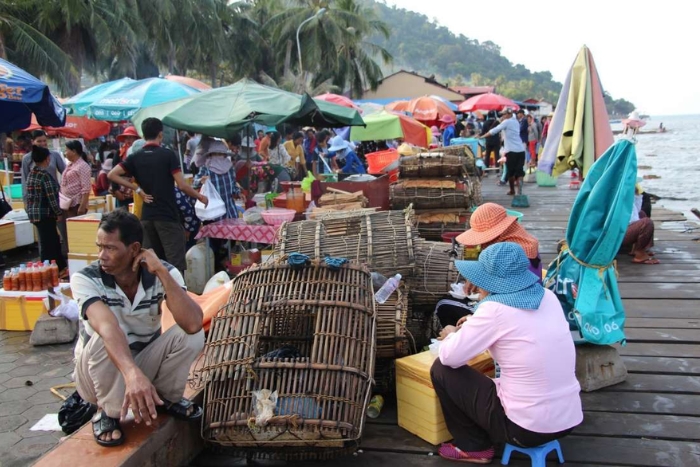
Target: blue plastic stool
(538, 454)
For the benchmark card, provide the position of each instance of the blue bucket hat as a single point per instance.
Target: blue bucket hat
(501, 268)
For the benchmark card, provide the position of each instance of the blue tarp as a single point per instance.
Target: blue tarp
(22, 95)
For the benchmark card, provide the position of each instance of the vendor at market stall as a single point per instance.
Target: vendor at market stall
(346, 156)
(536, 398)
(491, 224)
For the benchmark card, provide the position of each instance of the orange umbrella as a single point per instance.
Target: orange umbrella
(429, 109)
(191, 82)
(75, 127)
(397, 106)
(338, 100)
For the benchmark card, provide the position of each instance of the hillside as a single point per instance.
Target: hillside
(420, 45)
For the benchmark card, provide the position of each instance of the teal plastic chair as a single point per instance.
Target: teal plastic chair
(538, 454)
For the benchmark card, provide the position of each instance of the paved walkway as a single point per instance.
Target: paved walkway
(26, 375)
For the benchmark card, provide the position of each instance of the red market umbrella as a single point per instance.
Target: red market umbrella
(191, 82)
(429, 109)
(338, 100)
(488, 101)
(75, 127)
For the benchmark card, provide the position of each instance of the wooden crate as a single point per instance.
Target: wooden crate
(82, 233)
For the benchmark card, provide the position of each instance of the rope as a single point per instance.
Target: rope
(601, 268)
(297, 260)
(334, 264)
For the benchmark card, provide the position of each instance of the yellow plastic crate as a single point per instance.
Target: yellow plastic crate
(82, 233)
(419, 410)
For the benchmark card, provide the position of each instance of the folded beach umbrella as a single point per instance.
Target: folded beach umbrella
(487, 101)
(78, 104)
(580, 129)
(388, 125)
(223, 112)
(583, 276)
(21, 96)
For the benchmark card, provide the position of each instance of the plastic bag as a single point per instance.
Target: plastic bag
(306, 182)
(68, 308)
(434, 347)
(253, 216)
(74, 413)
(264, 403)
(216, 207)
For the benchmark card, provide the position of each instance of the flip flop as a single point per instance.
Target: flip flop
(646, 261)
(451, 452)
(180, 409)
(102, 424)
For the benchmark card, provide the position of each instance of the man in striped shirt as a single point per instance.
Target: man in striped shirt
(123, 361)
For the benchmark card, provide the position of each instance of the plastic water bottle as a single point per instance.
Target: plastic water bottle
(383, 294)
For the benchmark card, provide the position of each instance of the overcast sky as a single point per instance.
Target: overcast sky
(647, 52)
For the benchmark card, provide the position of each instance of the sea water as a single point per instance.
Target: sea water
(674, 157)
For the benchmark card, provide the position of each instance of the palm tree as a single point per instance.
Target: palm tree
(87, 29)
(22, 44)
(334, 45)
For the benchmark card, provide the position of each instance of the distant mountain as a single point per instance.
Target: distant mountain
(420, 45)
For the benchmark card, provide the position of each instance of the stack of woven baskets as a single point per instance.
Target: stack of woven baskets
(442, 186)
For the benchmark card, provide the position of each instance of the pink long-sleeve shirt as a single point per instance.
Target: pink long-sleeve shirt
(537, 387)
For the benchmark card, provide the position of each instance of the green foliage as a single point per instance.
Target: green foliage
(221, 40)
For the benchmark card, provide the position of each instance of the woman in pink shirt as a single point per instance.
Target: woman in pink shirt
(536, 399)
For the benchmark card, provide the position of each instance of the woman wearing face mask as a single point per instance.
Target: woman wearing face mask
(75, 183)
(55, 165)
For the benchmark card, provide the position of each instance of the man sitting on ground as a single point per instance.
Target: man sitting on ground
(122, 360)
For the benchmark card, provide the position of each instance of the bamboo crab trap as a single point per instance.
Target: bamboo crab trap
(433, 193)
(435, 271)
(431, 165)
(391, 325)
(382, 240)
(432, 224)
(289, 361)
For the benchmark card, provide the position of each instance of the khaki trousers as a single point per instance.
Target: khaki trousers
(166, 362)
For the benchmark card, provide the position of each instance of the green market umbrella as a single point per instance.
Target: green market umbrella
(223, 112)
(580, 129)
(78, 104)
(387, 125)
(583, 276)
(124, 102)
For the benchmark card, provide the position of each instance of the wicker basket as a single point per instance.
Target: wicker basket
(383, 240)
(428, 165)
(465, 151)
(458, 196)
(391, 325)
(323, 388)
(435, 271)
(432, 224)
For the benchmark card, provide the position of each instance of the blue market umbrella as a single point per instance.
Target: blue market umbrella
(583, 275)
(22, 95)
(123, 103)
(78, 104)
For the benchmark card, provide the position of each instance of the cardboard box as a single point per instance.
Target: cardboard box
(78, 261)
(419, 410)
(82, 233)
(7, 235)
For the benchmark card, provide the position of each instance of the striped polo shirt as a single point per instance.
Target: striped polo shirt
(140, 320)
